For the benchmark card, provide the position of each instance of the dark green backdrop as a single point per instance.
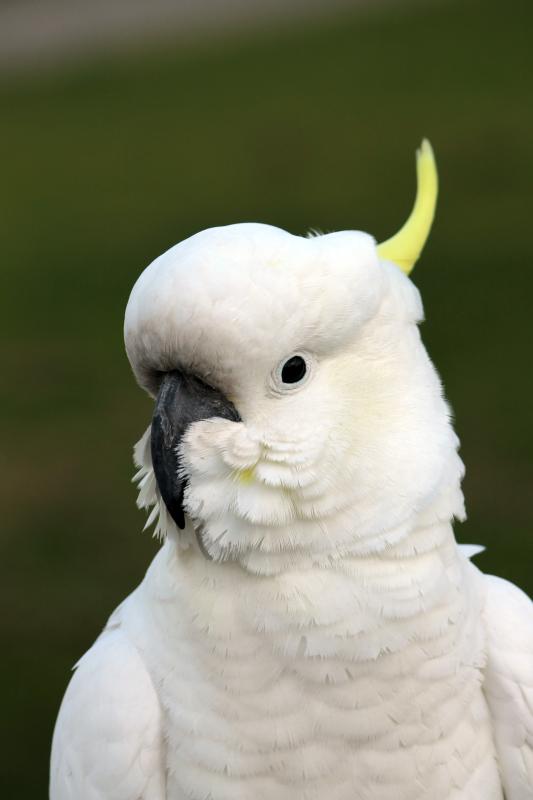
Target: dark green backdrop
(104, 167)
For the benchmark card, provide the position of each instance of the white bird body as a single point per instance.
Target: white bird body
(336, 643)
(380, 714)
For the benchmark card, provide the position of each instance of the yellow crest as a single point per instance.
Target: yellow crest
(405, 247)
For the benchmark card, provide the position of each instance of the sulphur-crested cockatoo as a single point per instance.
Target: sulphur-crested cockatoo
(309, 629)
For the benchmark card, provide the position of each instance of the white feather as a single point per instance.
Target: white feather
(508, 683)
(108, 740)
(340, 644)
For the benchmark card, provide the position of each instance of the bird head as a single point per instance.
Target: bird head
(297, 415)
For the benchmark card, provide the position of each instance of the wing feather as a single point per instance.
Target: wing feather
(107, 742)
(508, 684)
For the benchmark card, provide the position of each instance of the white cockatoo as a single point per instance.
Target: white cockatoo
(310, 628)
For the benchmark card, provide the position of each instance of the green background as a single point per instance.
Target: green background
(106, 165)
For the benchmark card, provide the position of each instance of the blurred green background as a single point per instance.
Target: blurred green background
(107, 163)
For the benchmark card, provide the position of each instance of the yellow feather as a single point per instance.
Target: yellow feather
(405, 247)
(245, 475)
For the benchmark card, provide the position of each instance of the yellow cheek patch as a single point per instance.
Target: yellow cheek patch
(245, 475)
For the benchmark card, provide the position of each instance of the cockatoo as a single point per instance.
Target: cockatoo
(310, 628)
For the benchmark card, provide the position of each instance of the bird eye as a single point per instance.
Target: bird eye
(292, 373)
(293, 370)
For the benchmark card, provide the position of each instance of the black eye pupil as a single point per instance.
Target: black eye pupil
(293, 370)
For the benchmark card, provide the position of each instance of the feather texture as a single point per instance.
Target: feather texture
(508, 683)
(339, 643)
(108, 737)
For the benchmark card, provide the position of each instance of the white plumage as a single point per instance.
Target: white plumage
(336, 643)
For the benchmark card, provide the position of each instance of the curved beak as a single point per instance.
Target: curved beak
(182, 400)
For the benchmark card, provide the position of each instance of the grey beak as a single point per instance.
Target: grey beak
(182, 400)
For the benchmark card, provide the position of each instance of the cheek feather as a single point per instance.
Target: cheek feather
(245, 476)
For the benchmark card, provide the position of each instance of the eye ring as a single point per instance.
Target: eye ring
(292, 372)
